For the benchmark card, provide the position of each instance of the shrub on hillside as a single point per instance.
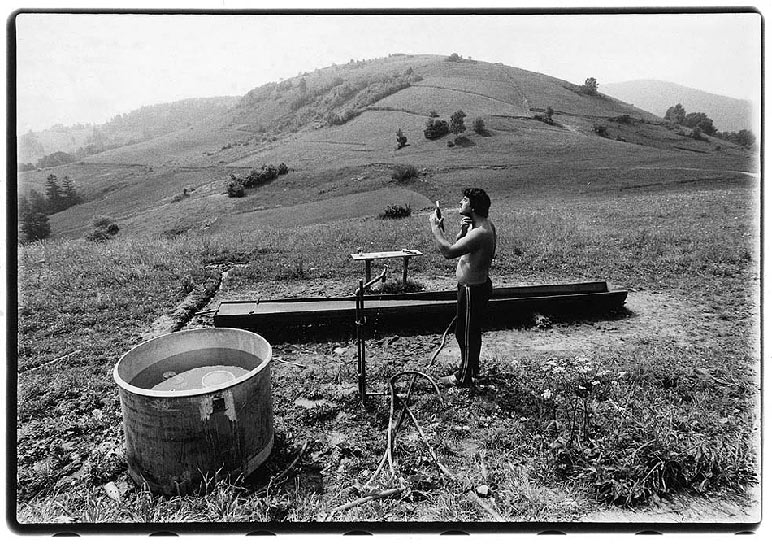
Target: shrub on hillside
(396, 211)
(283, 169)
(600, 130)
(403, 172)
(623, 119)
(182, 196)
(436, 129)
(235, 188)
(478, 126)
(104, 229)
(744, 137)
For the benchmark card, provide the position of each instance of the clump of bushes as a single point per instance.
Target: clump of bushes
(403, 172)
(478, 125)
(236, 186)
(623, 119)
(600, 130)
(436, 128)
(396, 211)
(104, 229)
(546, 117)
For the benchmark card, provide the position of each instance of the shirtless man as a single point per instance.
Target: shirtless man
(476, 246)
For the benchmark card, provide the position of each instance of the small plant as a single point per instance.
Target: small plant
(403, 172)
(104, 229)
(396, 211)
(283, 169)
(395, 286)
(600, 130)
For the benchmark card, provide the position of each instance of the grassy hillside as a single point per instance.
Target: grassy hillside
(339, 124)
(123, 129)
(336, 130)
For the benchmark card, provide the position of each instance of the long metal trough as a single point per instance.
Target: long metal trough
(506, 304)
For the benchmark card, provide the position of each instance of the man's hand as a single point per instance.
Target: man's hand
(436, 223)
(466, 223)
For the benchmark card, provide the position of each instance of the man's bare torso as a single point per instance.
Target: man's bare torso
(472, 268)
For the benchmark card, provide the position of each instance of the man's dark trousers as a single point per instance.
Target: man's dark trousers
(471, 303)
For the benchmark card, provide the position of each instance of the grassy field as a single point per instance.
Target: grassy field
(554, 434)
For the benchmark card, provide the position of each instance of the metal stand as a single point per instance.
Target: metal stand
(360, 317)
(360, 321)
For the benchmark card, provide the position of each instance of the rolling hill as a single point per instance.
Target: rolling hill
(336, 130)
(123, 129)
(728, 114)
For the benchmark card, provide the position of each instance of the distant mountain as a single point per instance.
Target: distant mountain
(728, 114)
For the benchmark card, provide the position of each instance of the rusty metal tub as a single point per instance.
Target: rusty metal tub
(196, 404)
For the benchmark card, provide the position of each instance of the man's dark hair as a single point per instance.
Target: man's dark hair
(479, 200)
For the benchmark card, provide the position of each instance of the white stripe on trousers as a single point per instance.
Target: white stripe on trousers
(468, 304)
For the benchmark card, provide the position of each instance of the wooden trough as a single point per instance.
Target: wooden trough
(508, 304)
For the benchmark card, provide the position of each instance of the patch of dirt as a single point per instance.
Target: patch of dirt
(651, 315)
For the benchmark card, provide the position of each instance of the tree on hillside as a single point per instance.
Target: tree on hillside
(454, 57)
(746, 138)
(69, 195)
(37, 202)
(34, 225)
(676, 114)
(53, 195)
(699, 119)
(590, 86)
(457, 122)
(479, 126)
(401, 139)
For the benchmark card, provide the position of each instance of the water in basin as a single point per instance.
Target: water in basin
(196, 369)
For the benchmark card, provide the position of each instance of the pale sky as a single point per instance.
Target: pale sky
(87, 68)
